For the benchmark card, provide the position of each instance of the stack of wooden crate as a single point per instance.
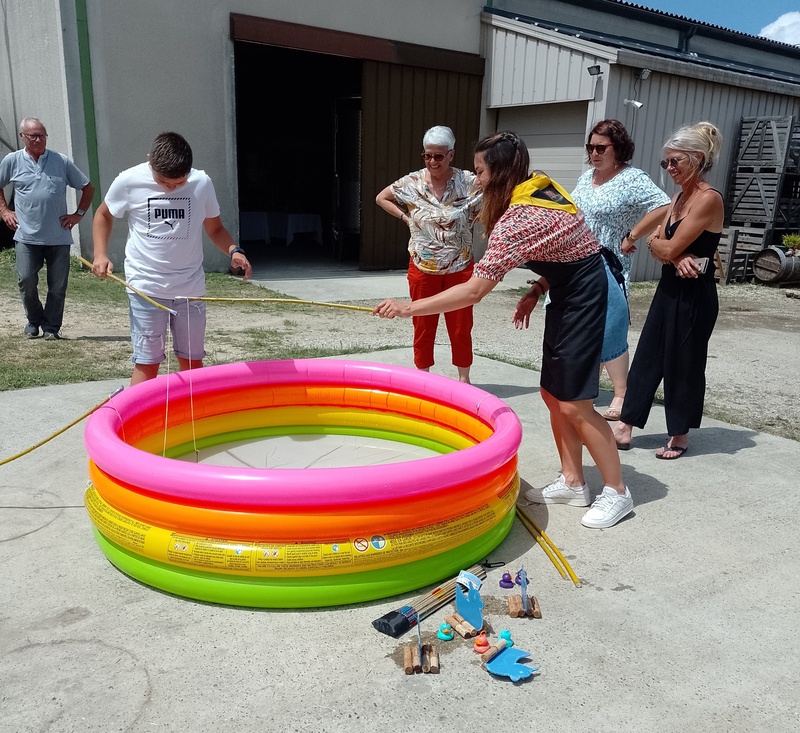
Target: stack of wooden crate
(764, 191)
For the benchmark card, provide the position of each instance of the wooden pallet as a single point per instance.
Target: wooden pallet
(737, 248)
(769, 143)
(754, 196)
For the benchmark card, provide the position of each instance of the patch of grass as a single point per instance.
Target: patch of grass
(222, 285)
(522, 363)
(37, 363)
(271, 344)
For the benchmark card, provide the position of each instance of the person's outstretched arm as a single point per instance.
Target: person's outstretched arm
(459, 296)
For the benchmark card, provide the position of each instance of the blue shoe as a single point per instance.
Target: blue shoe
(52, 336)
(31, 331)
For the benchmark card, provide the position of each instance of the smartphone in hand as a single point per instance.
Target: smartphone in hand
(703, 264)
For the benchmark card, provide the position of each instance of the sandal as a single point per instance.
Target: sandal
(612, 414)
(680, 450)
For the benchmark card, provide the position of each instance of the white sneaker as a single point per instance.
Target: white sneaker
(559, 493)
(608, 508)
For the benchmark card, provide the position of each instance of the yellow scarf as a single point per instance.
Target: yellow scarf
(539, 190)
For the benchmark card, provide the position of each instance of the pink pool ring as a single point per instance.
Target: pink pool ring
(474, 476)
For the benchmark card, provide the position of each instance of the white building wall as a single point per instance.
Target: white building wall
(554, 135)
(36, 58)
(169, 66)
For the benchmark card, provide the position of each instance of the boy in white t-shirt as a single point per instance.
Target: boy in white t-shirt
(168, 204)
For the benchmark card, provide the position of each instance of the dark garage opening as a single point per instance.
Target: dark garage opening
(298, 138)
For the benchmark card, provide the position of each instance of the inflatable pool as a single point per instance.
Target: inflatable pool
(276, 537)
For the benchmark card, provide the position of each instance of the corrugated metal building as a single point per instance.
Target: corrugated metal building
(656, 73)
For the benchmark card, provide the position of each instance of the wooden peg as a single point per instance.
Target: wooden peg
(433, 656)
(463, 628)
(408, 664)
(415, 660)
(493, 651)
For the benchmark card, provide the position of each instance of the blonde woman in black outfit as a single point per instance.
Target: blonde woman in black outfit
(673, 346)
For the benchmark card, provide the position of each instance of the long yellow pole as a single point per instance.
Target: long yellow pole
(283, 300)
(58, 432)
(131, 288)
(231, 300)
(549, 548)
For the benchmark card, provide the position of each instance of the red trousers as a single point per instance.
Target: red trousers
(459, 323)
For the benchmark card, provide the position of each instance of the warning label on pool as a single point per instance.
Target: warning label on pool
(338, 555)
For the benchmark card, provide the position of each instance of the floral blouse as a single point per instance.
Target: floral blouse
(613, 209)
(441, 231)
(526, 233)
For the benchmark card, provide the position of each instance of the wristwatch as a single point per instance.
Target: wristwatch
(80, 212)
(235, 250)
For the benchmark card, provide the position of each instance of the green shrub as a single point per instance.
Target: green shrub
(792, 241)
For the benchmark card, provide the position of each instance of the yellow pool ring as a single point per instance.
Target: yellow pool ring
(268, 558)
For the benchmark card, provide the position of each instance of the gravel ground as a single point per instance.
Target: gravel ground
(753, 354)
(751, 374)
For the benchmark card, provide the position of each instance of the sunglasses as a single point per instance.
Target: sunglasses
(438, 157)
(671, 163)
(599, 148)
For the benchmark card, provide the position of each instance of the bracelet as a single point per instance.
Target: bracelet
(235, 250)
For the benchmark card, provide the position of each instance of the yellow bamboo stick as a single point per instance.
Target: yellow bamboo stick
(574, 578)
(547, 551)
(283, 300)
(131, 288)
(231, 300)
(534, 529)
(58, 432)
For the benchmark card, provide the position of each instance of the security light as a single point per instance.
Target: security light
(634, 103)
(595, 70)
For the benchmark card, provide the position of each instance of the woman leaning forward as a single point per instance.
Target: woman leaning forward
(532, 221)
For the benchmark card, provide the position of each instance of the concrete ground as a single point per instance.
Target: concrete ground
(686, 618)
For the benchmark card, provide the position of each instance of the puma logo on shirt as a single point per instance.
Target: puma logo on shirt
(168, 218)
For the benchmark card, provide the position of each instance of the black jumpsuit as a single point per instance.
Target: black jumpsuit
(673, 345)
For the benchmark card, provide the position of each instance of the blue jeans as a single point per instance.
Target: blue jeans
(30, 259)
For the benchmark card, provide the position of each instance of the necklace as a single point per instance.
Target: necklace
(683, 201)
(599, 179)
(438, 189)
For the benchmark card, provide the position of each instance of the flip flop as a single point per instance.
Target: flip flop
(680, 450)
(623, 446)
(612, 414)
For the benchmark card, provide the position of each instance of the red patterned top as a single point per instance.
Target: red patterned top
(526, 233)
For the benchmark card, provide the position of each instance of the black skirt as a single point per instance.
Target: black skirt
(574, 325)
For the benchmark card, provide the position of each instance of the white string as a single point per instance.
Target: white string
(168, 352)
(191, 385)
